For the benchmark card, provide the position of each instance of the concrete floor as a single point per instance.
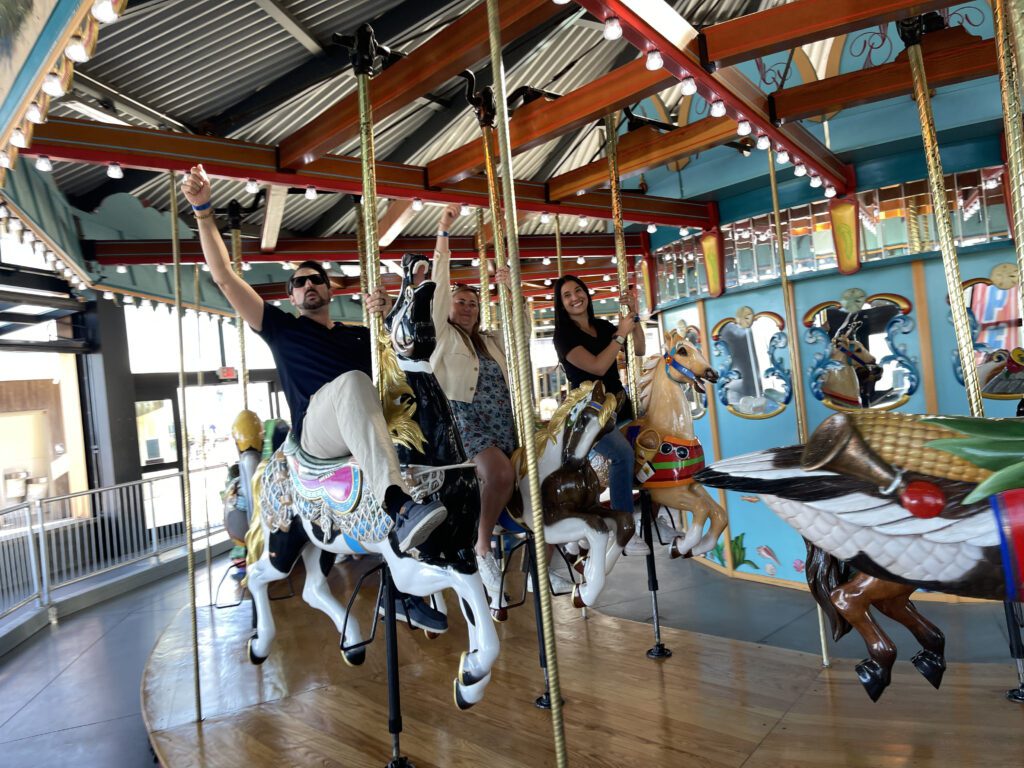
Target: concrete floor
(71, 692)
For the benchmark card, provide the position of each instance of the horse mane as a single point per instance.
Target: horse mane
(646, 384)
(399, 401)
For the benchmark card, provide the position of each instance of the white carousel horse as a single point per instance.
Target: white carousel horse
(570, 487)
(850, 382)
(667, 452)
(318, 509)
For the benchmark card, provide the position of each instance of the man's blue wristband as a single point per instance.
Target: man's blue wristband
(202, 207)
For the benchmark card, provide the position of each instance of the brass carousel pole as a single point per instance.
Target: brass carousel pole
(481, 251)
(558, 245)
(202, 432)
(186, 485)
(361, 247)
(793, 340)
(235, 223)
(523, 400)
(910, 32)
(1013, 126)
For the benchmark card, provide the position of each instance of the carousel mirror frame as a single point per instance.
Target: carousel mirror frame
(1006, 281)
(776, 344)
(900, 324)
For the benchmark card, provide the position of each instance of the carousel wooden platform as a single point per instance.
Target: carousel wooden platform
(715, 702)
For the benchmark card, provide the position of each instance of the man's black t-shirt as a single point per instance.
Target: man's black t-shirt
(308, 355)
(568, 336)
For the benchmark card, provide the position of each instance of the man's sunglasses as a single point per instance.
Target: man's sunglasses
(301, 280)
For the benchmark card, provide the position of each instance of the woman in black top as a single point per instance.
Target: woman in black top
(588, 349)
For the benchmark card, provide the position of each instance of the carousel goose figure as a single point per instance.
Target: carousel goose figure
(904, 502)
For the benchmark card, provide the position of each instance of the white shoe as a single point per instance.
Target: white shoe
(559, 584)
(666, 525)
(636, 547)
(490, 572)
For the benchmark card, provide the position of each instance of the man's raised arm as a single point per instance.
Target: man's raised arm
(196, 188)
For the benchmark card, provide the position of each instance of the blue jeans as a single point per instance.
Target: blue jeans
(619, 453)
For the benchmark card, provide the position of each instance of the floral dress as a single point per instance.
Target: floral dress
(487, 420)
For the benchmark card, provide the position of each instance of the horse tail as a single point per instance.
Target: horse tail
(824, 574)
(255, 537)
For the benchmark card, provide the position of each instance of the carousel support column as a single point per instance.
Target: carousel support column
(658, 651)
(361, 249)
(235, 225)
(186, 485)
(366, 61)
(523, 400)
(481, 254)
(793, 340)
(558, 245)
(1009, 91)
(913, 226)
(202, 430)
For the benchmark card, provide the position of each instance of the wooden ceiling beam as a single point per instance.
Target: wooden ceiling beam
(462, 44)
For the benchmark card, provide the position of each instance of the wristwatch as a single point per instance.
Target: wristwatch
(620, 340)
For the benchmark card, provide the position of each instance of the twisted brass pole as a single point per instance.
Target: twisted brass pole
(1013, 126)
(940, 204)
(632, 365)
(913, 226)
(243, 372)
(481, 252)
(522, 398)
(361, 250)
(371, 242)
(186, 482)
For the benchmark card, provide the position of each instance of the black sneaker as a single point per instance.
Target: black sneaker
(418, 613)
(416, 522)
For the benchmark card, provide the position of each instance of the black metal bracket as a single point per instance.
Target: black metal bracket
(773, 111)
(524, 94)
(368, 56)
(634, 121)
(912, 30)
(481, 101)
(702, 51)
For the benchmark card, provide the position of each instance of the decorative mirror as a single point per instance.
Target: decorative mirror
(698, 401)
(994, 312)
(861, 365)
(754, 381)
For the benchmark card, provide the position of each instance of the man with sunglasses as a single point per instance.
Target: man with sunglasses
(324, 369)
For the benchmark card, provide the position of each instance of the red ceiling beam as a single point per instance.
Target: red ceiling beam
(644, 149)
(544, 119)
(950, 56)
(459, 46)
(82, 141)
(343, 249)
(655, 25)
(802, 21)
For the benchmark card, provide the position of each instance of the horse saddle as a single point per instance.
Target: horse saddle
(666, 461)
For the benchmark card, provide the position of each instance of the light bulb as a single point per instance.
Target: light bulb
(717, 108)
(991, 183)
(53, 85)
(128, 299)
(582, 220)
(246, 266)
(121, 269)
(547, 281)
(104, 11)
(581, 260)
(654, 61)
(43, 164)
(34, 113)
(108, 295)
(607, 277)
(311, 192)
(465, 209)
(5, 159)
(15, 226)
(205, 267)
(545, 218)
(252, 186)
(815, 180)
(5, 213)
(326, 265)
(799, 169)
(782, 155)
(276, 303)
(683, 231)
(161, 268)
(417, 204)
(18, 138)
(743, 127)
(612, 28)
(27, 236)
(689, 86)
(475, 262)
(652, 228)
(146, 304)
(615, 259)
(284, 265)
(763, 142)
(114, 171)
(830, 191)
(546, 261)
(76, 50)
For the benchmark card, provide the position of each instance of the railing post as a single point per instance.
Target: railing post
(152, 512)
(44, 558)
(33, 560)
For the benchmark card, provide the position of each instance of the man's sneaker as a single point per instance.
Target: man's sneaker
(666, 525)
(560, 585)
(490, 572)
(416, 522)
(419, 613)
(636, 547)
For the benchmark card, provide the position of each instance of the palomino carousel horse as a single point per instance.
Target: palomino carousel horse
(667, 453)
(318, 509)
(906, 501)
(850, 379)
(569, 487)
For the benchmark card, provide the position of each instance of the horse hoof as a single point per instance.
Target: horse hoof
(873, 677)
(577, 598)
(673, 551)
(354, 658)
(460, 702)
(499, 615)
(580, 566)
(931, 665)
(431, 635)
(257, 660)
(465, 678)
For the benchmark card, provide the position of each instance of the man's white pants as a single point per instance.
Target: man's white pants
(344, 418)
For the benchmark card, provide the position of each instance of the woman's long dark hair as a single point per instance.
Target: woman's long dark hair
(474, 335)
(562, 320)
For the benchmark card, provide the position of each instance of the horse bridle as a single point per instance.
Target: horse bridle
(672, 363)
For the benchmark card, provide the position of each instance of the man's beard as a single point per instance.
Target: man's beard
(312, 301)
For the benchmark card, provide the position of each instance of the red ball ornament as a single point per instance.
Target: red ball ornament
(923, 499)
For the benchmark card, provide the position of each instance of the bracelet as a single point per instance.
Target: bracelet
(207, 216)
(202, 207)
(442, 233)
(620, 340)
